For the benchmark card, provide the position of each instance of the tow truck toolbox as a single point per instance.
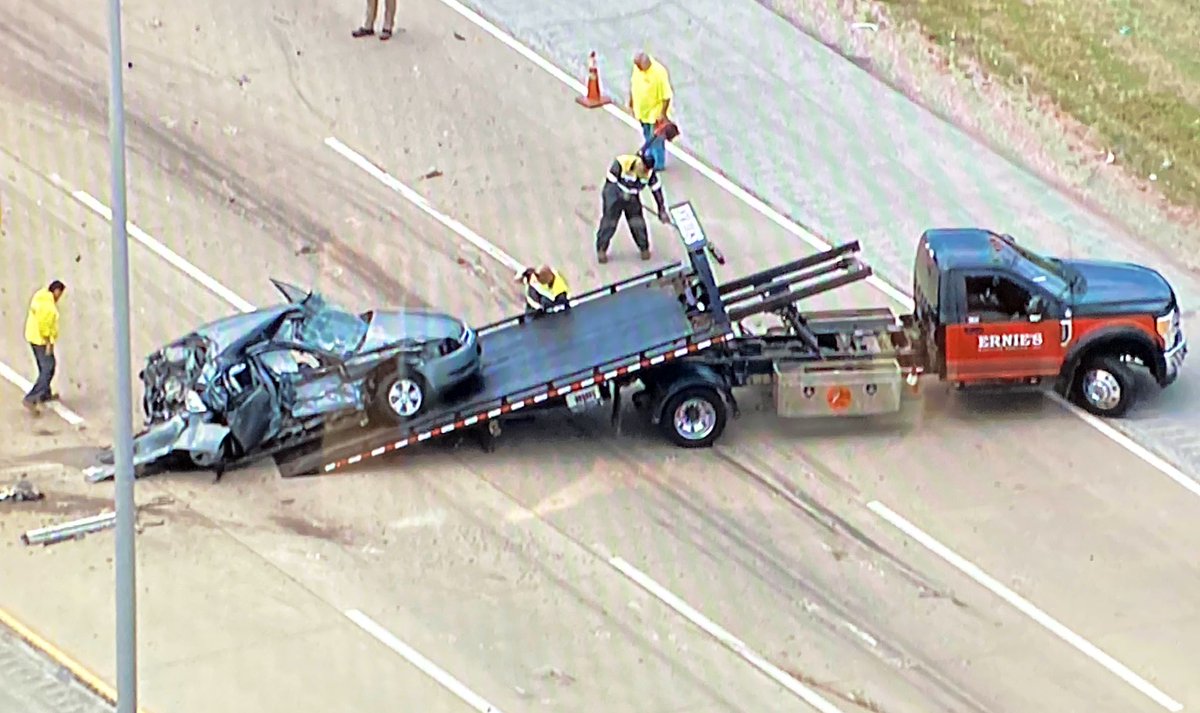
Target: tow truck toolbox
(988, 312)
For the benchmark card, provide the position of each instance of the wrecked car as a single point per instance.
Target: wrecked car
(250, 384)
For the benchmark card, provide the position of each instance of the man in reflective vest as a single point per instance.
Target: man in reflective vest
(628, 175)
(544, 289)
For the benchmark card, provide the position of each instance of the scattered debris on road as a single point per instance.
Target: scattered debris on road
(431, 173)
(459, 37)
(69, 530)
(76, 529)
(22, 491)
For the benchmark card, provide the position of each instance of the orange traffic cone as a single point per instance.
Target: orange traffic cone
(594, 98)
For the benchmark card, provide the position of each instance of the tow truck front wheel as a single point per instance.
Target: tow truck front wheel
(694, 417)
(1105, 386)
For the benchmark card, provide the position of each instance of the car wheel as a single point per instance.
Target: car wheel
(694, 417)
(1105, 386)
(400, 396)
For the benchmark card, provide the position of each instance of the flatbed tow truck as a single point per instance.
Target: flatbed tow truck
(989, 313)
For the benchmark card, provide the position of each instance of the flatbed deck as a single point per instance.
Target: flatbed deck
(606, 335)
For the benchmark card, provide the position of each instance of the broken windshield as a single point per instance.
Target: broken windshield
(327, 328)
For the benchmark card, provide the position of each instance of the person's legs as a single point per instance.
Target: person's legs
(659, 151)
(389, 18)
(368, 26)
(658, 146)
(45, 367)
(637, 226)
(610, 217)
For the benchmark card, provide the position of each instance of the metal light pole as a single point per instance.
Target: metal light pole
(126, 564)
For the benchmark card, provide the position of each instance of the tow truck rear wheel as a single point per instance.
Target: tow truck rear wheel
(1105, 386)
(694, 417)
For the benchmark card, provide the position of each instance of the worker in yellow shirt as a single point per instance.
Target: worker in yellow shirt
(545, 289)
(41, 331)
(649, 100)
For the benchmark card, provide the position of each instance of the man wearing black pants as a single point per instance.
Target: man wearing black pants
(627, 177)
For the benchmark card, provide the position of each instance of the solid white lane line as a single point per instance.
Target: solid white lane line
(1116, 436)
(419, 201)
(171, 257)
(1025, 606)
(10, 375)
(426, 666)
(730, 641)
(765, 210)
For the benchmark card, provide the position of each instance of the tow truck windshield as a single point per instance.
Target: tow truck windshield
(1059, 277)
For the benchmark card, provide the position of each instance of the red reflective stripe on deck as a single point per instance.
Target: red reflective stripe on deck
(513, 406)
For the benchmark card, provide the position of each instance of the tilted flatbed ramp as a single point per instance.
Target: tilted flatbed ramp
(607, 334)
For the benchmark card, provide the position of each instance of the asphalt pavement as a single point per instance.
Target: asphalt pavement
(838, 151)
(571, 570)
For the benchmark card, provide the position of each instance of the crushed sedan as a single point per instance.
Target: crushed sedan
(251, 384)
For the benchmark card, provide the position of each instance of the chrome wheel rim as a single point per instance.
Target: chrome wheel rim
(405, 397)
(695, 419)
(1102, 389)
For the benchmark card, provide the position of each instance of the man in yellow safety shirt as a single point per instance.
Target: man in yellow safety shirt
(41, 331)
(544, 289)
(627, 177)
(649, 99)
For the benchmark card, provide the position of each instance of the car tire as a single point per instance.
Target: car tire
(694, 418)
(400, 396)
(1105, 386)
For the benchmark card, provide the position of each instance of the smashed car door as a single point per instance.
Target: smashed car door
(290, 292)
(253, 412)
(316, 383)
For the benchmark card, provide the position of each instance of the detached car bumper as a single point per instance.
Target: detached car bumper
(179, 434)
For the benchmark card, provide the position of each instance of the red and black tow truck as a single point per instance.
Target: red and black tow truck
(988, 313)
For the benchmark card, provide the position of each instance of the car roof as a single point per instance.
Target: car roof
(965, 247)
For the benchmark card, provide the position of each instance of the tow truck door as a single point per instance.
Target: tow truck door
(1005, 328)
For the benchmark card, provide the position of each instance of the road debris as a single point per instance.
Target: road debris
(22, 491)
(431, 173)
(459, 37)
(69, 530)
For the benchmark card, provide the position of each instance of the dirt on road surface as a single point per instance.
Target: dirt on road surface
(571, 570)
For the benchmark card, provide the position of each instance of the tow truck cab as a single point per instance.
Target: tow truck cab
(990, 312)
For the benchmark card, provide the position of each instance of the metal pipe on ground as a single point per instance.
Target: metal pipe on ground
(69, 530)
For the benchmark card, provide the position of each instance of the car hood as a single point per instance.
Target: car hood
(392, 326)
(235, 330)
(1119, 287)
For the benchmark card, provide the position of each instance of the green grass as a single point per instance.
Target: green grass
(1128, 69)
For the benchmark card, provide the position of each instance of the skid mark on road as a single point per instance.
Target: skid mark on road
(1025, 607)
(734, 644)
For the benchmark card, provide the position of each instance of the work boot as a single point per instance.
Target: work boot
(601, 256)
(645, 254)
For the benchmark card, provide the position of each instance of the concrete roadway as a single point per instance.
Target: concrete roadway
(496, 568)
